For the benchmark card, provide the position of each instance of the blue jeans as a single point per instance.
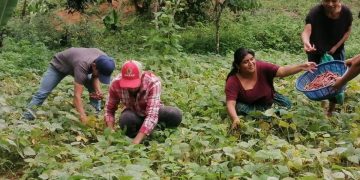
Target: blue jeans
(50, 80)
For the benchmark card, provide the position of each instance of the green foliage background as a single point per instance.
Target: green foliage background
(301, 144)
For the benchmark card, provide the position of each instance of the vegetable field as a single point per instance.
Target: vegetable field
(300, 143)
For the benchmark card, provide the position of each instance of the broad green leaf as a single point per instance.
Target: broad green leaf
(229, 152)
(135, 167)
(71, 117)
(355, 159)
(309, 176)
(264, 126)
(3, 124)
(283, 124)
(44, 176)
(184, 147)
(339, 150)
(28, 151)
(11, 142)
(216, 157)
(327, 173)
(269, 155)
(348, 173)
(269, 113)
(198, 177)
(6, 9)
(338, 175)
(52, 127)
(293, 126)
(296, 163)
(282, 170)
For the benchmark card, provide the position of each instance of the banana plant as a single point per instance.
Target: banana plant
(111, 21)
(6, 8)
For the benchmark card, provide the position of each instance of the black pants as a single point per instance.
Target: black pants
(131, 122)
(316, 57)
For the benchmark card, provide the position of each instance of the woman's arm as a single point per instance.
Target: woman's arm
(342, 41)
(305, 37)
(230, 106)
(288, 70)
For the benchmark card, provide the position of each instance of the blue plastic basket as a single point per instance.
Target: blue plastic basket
(324, 92)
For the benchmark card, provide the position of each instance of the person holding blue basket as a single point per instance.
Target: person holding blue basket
(250, 87)
(328, 26)
(353, 71)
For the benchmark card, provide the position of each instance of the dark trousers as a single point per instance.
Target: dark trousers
(279, 100)
(316, 57)
(131, 122)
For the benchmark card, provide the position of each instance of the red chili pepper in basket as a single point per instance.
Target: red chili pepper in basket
(322, 80)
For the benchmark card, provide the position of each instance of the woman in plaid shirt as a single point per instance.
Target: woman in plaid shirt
(139, 92)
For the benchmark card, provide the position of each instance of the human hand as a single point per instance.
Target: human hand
(84, 119)
(139, 137)
(309, 48)
(349, 62)
(309, 66)
(110, 125)
(109, 122)
(235, 124)
(338, 84)
(96, 95)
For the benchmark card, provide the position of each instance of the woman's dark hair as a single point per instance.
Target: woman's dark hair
(239, 56)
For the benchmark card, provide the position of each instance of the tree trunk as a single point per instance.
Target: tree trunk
(1, 38)
(23, 12)
(218, 12)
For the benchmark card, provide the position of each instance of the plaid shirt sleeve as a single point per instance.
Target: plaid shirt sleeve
(152, 109)
(111, 104)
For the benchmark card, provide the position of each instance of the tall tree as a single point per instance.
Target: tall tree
(23, 12)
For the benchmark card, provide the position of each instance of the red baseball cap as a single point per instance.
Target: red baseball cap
(130, 74)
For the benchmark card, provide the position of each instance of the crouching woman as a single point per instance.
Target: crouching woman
(250, 86)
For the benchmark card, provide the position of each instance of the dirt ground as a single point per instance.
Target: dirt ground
(122, 6)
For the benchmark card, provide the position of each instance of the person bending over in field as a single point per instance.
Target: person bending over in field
(351, 73)
(88, 66)
(139, 92)
(249, 85)
(328, 26)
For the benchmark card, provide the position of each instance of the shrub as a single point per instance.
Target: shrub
(279, 33)
(18, 57)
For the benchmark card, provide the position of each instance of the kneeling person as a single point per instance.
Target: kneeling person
(250, 84)
(140, 93)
